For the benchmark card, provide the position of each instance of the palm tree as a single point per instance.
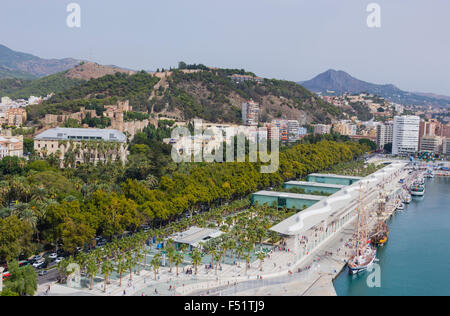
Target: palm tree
(61, 266)
(156, 262)
(216, 258)
(239, 252)
(261, 256)
(179, 259)
(107, 269)
(130, 263)
(196, 259)
(171, 256)
(121, 268)
(138, 258)
(92, 270)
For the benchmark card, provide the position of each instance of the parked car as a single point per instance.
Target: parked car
(53, 256)
(43, 272)
(39, 264)
(37, 258)
(59, 259)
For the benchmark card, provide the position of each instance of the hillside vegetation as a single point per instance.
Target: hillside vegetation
(213, 96)
(182, 94)
(23, 89)
(101, 91)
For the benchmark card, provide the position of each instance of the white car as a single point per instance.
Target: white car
(37, 264)
(37, 258)
(59, 259)
(53, 256)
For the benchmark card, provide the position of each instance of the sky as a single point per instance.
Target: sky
(284, 39)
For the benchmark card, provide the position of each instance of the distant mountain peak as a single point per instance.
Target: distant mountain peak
(341, 82)
(21, 65)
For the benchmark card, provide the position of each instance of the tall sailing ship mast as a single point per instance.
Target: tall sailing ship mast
(364, 253)
(381, 232)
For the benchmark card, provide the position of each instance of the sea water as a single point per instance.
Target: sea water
(416, 259)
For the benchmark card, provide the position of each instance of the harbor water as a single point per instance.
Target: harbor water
(416, 259)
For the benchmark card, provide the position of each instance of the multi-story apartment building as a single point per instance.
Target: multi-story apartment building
(322, 129)
(14, 117)
(431, 143)
(446, 146)
(82, 145)
(250, 113)
(11, 146)
(385, 133)
(293, 126)
(406, 135)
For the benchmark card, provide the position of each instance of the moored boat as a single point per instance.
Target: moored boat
(407, 198)
(380, 234)
(418, 190)
(362, 260)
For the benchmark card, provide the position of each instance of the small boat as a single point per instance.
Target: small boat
(418, 190)
(429, 175)
(407, 199)
(401, 207)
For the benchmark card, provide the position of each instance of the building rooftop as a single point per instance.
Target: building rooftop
(290, 195)
(336, 203)
(195, 235)
(78, 134)
(334, 176)
(316, 184)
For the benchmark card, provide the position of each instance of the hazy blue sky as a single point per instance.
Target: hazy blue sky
(285, 39)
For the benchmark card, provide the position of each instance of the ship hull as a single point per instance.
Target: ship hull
(368, 259)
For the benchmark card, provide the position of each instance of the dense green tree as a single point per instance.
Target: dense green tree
(23, 280)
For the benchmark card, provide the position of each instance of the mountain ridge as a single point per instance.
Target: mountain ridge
(26, 66)
(341, 82)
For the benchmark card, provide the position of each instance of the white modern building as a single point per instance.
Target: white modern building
(82, 145)
(406, 135)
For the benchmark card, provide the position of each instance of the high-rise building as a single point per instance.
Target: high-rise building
(406, 135)
(250, 113)
(293, 127)
(385, 134)
(282, 126)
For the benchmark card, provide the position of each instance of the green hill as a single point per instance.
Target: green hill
(213, 96)
(205, 93)
(20, 88)
(101, 91)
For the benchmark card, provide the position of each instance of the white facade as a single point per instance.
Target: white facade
(406, 135)
(4, 151)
